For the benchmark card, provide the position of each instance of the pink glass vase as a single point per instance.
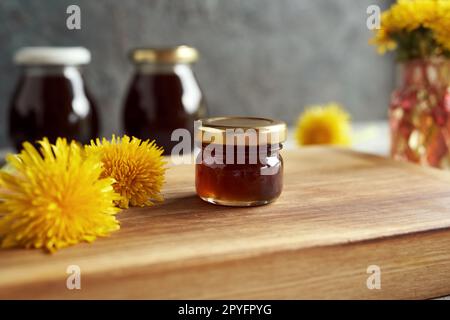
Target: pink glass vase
(419, 113)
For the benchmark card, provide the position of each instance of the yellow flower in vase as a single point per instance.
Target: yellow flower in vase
(54, 198)
(441, 25)
(415, 28)
(136, 166)
(328, 124)
(383, 41)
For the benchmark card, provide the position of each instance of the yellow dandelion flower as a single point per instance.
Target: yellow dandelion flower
(383, 42)
(441, 25)
(54, 198)
(136, 166)
(328, 124)
(406, 23)
(410, 14)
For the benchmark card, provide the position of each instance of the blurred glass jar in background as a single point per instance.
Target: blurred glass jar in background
(51, 99)
(420, 113)
(163, 95)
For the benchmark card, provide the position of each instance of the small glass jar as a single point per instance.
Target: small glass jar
(239, 161)
(51, 99)
(163, 95)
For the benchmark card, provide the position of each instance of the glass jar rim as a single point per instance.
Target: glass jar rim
(239, 130)
(167, 55)
(52, 56)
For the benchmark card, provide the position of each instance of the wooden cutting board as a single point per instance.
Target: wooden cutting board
(340, 212)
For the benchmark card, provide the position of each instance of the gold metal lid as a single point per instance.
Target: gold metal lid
(180, 54)
(267, 130)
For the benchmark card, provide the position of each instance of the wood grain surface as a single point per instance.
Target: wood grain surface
(340, 212)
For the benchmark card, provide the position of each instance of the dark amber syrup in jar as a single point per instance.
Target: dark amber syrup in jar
(52, 103)
(155, 107)
(241, 184)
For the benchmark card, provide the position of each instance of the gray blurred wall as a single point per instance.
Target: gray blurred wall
(259, 57)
